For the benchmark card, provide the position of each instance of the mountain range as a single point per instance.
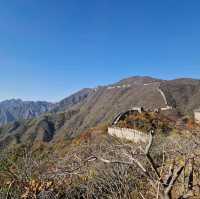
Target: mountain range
(16, 109)
(47, 122)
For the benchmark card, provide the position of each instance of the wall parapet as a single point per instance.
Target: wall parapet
(129, 134)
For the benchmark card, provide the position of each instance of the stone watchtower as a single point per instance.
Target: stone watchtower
(197, 115)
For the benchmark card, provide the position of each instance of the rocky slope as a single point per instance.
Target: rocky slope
(91, 107)
(183, 94)
(72, 100)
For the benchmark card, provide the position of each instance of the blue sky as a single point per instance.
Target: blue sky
(52, 48)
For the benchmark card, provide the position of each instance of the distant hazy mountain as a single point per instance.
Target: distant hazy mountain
(91, 107)
(16, 109)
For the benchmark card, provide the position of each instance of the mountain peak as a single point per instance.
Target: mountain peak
(139, 80)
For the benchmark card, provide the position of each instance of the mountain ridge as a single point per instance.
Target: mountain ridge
(89, 108)
(17, 109)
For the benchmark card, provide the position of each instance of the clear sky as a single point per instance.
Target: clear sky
(51, 48)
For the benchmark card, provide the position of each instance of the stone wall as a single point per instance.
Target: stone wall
(124, 114)
(166, 108)
(129, 134)
(163, 95)
(165, 100)
(197, 116)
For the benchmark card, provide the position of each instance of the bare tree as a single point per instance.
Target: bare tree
(162, 184)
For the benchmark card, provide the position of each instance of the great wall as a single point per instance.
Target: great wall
(128, 134)
(127, 112)
(167, 107)
(123, 86)
(119, 86)
(133, 134)
(165, 100)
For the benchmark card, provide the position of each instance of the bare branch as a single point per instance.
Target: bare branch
(190, 184)
(114, 162)
(174, 179)
(149, 158)
(148, 147)
(170, 174)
